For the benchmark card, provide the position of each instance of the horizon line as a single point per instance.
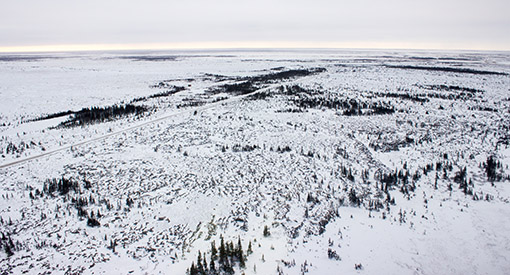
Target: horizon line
(239, 45)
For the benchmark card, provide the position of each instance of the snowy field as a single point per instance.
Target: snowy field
(301, 161)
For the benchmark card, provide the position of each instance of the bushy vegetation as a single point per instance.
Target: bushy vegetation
(16, 149)
(446, 69)
(70, 190)
(248, 85)
(100, 114)
(172, 90)
(191, 103)
(491, 169)
(282, 75)
(404, 96)
(259, 96)
(223, 260)
(61, 186)
(240, 88)
(93, 115)
(51, 116)
(448, 88)
(7, 245)
(312, 98)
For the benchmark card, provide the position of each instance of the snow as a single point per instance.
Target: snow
(192, 176)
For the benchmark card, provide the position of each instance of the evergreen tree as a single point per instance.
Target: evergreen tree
(214, 251)
(227, 267)
(193, 270)
(242, 262)
(240, 254)
(8, 250)
(239, 248)
(266, 231)
(223, 254)
(204, 265)
(250, 250)
(435, 182)
(491, 169)
(200, 267)
(212, 267)
(232, 251)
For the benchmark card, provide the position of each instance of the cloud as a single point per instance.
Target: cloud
(447, 22)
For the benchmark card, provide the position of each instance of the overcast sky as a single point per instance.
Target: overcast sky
(463, 24)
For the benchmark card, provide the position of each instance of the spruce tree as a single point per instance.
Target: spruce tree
(230, 249)
(240, 254)
(200, 267)
(192, 269)
(212, 267)
(242, 262)
(239, 248)
(250, 250)
(223, 254)
(266, 231)
(214, 251)
(227, 267)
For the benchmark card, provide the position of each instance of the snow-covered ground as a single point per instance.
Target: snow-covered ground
(352, 160)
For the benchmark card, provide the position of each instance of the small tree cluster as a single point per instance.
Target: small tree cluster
(404, 96)
(461, 179)
(222, 260)
(354, 199)
(70, 190)
(100, 114)
(240, 148)
(491, 167)
(283, 149)
(333, 255)
(347, 173)
(8, 246)
(12, 148)
(171, 90)
(60, 186)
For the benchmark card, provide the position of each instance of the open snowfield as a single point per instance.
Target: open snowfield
(323, 162)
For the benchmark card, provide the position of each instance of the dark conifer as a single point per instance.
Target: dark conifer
(249, 251)
(230, 249)
(266, 231)
(240, 253)
(205, 266)
(200, 267)
(214, 251)
(193, 270)
(212, 267)
(223, 254)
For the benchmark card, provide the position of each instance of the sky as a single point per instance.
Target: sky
(28, 25)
